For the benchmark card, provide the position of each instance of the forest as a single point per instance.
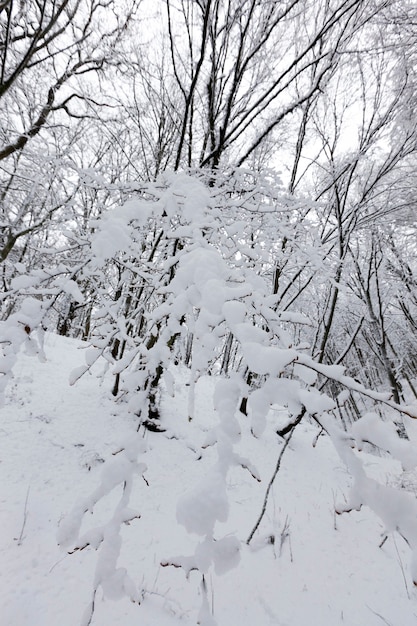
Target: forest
(218, 190)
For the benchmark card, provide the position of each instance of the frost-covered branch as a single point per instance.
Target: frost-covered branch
(119, 472)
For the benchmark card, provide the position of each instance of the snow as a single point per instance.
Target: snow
(383, 434)
(199, 510)
(267, 359)
(71, 288)
(67, 452)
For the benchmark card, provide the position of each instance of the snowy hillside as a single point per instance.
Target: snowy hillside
(304, 566)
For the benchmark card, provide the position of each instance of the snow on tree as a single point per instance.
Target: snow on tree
(182, 288)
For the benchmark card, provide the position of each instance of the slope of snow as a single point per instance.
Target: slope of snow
(305, 565)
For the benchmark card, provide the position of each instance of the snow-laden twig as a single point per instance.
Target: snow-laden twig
(335, 372)
(397, 510)
(271, 482)
(113, 580)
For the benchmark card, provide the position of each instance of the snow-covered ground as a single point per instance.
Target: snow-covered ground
(305, 565)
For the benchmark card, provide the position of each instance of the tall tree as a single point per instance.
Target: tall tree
(51, 57)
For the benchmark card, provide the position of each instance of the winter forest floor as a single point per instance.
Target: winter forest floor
(320, 569)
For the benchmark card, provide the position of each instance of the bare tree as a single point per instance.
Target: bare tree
(51, 56)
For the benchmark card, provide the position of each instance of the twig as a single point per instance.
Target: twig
(290, 545)
(89, 612)
(350, 383)
(334, 510)
(25, 516)
(401, 566)
(58, 562)
(316, 438)
(271, 482)
(380, 616)
(285, 533)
